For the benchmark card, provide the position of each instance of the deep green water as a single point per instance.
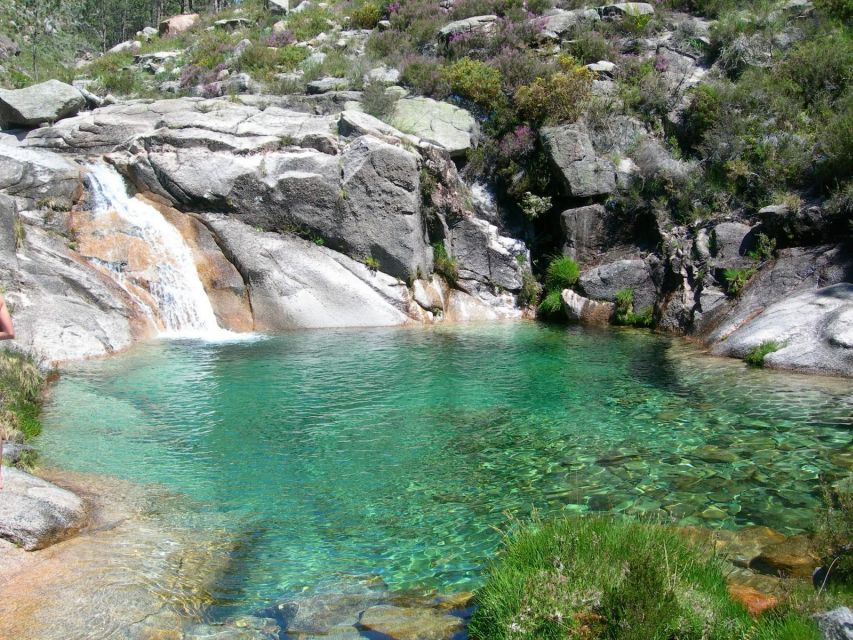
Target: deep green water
(396, 451)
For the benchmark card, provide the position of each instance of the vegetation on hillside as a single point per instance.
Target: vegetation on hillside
(21, 386)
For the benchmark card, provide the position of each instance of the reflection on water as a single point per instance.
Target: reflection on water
(396, 451)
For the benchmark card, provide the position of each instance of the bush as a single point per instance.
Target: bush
(562, 273)
(591, 46)
(834, 538)
(736, 280)
(21, 385)
(532, 206)
(552, 303)
(590, 578)
(444, 264)
(476, 81)
(365, 16)
(755, 356)
(559, 98)
(377, 100)
(841, 10)
(625, 311)
(424, 76)
(262, 62)
(530, 290)
(309, 23)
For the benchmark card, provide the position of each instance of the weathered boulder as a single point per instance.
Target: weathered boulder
(582, 172)
(487, 256)
(605, 281)
(128, 46)
(586, 311)
(178, 24)
(836, 624)
(557, 23)
(232, 23)
(41, 177)
(476, 24)
(44, 102)
(279, 6)
(814, 331)
(586, 232)
(357, 123)
(35, 513)
(626, 9)
(439, 122)
(324, 85)
(381, 187)
(8, 48)
(729, 242)
(295, 283)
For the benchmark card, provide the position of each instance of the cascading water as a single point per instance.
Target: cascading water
(173, 283)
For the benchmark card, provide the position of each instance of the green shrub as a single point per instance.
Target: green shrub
(444, 264)
(309, 23)
(475, 80)
(562, 273)
(755, 356)
(532, 206)
(262, 62)
(596, 578)
(372, 263)
(552, 303)
(841, 10)
(21, 384)
(377, 100)
(591, 46)
(834, 535)
(736, 279)
(425, 76)
(560, 97)
(764, 249)
(625, 311)
(530, 290)
(365, 16)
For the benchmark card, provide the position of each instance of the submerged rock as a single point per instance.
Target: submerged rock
(44, 102)
(35, 513)
(411, 623)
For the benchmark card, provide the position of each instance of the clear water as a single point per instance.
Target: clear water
(397, 451)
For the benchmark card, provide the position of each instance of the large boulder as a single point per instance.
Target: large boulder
(729, 243)
(295, 283)
(35, 513)
(44, 102)
(813, 330)
(448, 126)
(381, 202)
(585, 311)
(622, 9)
(558, 23)
(178, 24)
(605, 281)
(467, 26)
(582, 172)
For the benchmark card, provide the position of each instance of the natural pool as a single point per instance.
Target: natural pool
(397, 451)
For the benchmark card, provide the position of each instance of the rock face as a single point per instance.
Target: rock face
(486, 256)
(583, 173)
(35, 513)
(586, 232)
(586, 311)
(558, 23)
(45, 102)
(296, 284)
(439, 122)
(477, 24)
(39, 176)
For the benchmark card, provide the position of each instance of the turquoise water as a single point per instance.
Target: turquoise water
(397, 451)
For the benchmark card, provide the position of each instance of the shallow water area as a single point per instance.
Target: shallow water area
(396, 452)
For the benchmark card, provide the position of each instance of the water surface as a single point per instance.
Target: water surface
(398, 451)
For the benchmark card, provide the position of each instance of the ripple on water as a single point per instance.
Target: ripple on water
(397, 452)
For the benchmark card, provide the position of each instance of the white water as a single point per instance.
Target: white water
(182, 303)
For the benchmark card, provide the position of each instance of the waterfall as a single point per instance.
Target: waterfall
(172, 281)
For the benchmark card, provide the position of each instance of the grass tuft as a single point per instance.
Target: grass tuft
(755, 356)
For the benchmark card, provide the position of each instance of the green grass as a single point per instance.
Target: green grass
(596, 577)
(755, 356)
(625, 311)
(444, 264)
(736, 280)
(562, 273)
(21, 385)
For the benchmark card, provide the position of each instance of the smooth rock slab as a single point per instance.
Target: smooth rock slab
(44, 102)
(404, 623)
(586, 311)
(35, 513)
(439, 122)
